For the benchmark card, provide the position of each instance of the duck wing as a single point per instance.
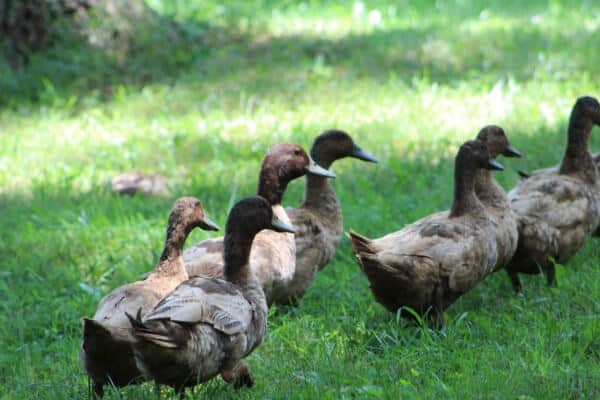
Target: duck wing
(555, 213)
(202, 300)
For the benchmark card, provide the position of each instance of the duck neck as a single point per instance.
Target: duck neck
(320, 197)
(236, 258)
(465, 201)
(270, 185)
(577, 159)
(170, 262)
(487, 190)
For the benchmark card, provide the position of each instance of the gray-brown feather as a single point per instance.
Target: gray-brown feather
(203, 327)
(272, 258)
(556, 213)
(436, 253)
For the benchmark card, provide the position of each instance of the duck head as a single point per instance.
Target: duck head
(283, 163)
(253, 214)
(497, 142)
(474, 155)
(587, 108)
(247, 217)
(188, 211)
(334, 144)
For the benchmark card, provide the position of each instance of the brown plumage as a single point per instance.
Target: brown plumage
(273, 256)
(206, 326)
(106, 353)
(558, 210)
(554, 170)
(429, 264)
(136, 182)
(494, 197)
(318, 221)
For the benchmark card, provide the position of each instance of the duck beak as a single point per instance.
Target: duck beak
(279, 226)
(316, 169)
(208, 225)
(494, 165)
(359, 153)
(511, 152)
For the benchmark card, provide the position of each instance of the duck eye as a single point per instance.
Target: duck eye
(296, 152)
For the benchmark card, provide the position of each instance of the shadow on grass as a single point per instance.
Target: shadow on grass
(441, 50)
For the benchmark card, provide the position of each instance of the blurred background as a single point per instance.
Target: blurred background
(197, 91)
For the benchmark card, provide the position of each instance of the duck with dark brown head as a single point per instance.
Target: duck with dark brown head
(494, 197)
(318, 220)
(429, 264)
(557, 210)
(206, 326)
(273, 257)
(106, 352)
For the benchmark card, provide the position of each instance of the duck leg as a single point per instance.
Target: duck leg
(240, 375)
(515, 281)
(180, 391)
(157, 390)
(95, 389)
(550, 272)
(436, 315)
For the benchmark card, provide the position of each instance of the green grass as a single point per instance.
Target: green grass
(203, 110)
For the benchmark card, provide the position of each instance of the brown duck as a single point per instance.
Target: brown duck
(558, 210)
(494, 197)
(206, 326)
(106, 353)
(273, 256)
(429, 264)
(318, 221)
(137, 182)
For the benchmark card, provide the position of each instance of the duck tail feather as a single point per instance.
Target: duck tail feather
(156, 332)
(361, 244)
(136, 322)
(99, 337)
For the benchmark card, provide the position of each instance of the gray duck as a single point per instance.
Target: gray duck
(318, 220)
(494, 197)
(105, 352)
(558, 210)
(273, 258)
(206, 326)
(431, 263)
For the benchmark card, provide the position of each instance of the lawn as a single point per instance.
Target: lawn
(409, 81)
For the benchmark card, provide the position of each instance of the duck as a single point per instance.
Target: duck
(318, 220)
(206, 326)
(493, 196)
(558, 210)
(431, 263)
(131, 183)
(273, 256)
(106, 353)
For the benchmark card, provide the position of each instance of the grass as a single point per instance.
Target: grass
(408, 80)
